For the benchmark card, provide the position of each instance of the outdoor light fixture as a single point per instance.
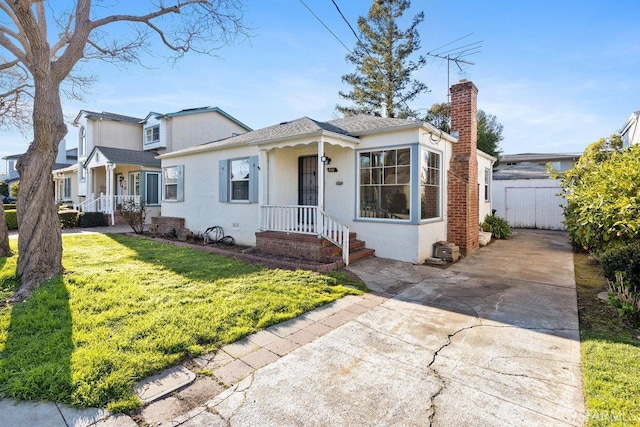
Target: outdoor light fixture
(326, 160)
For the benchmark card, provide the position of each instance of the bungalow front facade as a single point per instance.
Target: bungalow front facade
(401, 185)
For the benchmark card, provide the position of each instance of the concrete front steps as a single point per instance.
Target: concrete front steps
(310, 247)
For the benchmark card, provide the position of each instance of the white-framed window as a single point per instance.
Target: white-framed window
(152, 188)
(173, 183)
(487, 184)
(66, 188)
(134, 183)
(385, 184)
(82, 173)
(238, 180)
(430, 185)
(82, 141)
(152, 134)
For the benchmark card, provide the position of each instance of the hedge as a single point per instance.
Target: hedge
(11, 216)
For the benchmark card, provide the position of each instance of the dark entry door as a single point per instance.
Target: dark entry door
(308, 181)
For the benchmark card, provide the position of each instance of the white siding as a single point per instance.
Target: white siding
(529, 203)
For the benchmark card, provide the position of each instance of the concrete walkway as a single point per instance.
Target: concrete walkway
(491, 341)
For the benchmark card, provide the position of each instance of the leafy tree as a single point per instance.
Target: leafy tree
(438, 116)
(602, 192)
(41, 43)
(489, 130)
(383, 68)
(489, 134)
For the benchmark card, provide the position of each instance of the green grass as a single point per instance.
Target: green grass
(610, 354)
(127, 307)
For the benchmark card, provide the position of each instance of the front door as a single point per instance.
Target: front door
(308, 181)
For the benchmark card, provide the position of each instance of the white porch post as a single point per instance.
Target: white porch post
(320, 186)
(263, 191)
(109, 167)
(89, 181)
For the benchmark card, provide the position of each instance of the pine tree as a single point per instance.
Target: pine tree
(383, 68)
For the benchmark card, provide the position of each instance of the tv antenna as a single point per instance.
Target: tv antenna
(457, 55)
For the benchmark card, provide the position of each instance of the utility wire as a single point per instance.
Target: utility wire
(345, 20)
(325, 26)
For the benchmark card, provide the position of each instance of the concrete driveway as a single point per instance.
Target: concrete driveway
(491, 341)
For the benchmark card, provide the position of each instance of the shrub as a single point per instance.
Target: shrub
(499, 227)
(9, 206)
(91, 219)
(68, 218)
(602, 195)
(624, 296)
(15, 188)
(621, 257)
(11, 217)
(135, 215)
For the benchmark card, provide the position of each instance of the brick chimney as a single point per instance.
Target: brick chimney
(462, 203)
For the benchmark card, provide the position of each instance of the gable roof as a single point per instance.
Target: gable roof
(348, 128)
(127, 157)
(109, 116)
(197, 110)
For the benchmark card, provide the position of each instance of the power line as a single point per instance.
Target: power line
(325, 25)
(345, 20)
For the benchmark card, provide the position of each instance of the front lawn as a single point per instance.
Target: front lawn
(610, 354)
(129, 307)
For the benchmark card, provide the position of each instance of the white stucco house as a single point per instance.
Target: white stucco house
(398, 185)
(117, 154)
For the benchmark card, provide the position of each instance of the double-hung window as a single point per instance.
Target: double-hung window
(487, 184)
(238, 180)
(173, 183)
(430, 185)
(152, 134)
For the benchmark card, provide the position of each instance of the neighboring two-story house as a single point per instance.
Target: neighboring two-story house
(117, 154)
(63, 182)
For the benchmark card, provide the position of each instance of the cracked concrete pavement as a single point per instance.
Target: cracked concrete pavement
(491, 341)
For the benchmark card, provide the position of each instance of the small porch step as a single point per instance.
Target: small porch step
(310, 246)
(361, 254)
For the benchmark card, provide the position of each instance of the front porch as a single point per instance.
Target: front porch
(308, 232)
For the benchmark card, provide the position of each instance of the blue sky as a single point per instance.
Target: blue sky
(557, 74)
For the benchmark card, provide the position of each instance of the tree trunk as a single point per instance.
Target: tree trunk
(5, 251)
(39, 236)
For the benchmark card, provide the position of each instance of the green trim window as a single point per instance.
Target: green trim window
(430, 185)
(152, 188)
(385, 184)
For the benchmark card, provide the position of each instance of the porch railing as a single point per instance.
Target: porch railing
(337, 233)
(288, 218)
(305, 220)
(105, 204)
